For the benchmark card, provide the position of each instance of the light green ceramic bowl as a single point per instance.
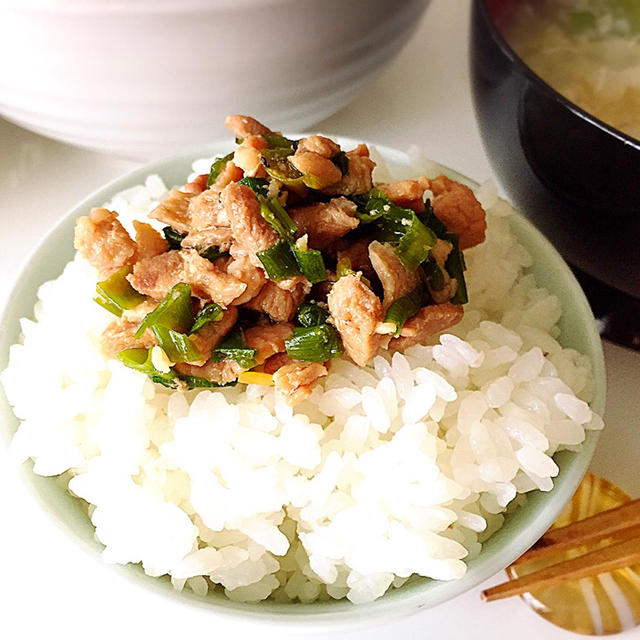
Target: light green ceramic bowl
(522, 527)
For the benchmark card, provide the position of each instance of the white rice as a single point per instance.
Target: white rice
(397, 469)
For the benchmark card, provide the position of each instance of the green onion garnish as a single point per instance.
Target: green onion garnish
(174, 312)
(177, 346)
(140, 360)
(311, 264)
(197, 382)
(311, 314)
(213, 253)
(211, 312)
(396, 225)
(434, 274)
(275, 141)
(314, 344)
(260, 186)
(455, 267)
(173, 237)
(115, 293)
(432, 221)
(218, 167)
(274, 213)
(279, 261)
(235, 348)
(275, 163)
(413, 247)
(404, 308)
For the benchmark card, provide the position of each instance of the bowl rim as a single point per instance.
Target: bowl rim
(531, 75)
(318, 616)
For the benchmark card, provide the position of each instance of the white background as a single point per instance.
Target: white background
(49, 587)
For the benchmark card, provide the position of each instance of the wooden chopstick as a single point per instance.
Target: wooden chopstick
(620, 523)
(616, 556)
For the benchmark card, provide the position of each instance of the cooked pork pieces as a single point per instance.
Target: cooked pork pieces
(286, 255)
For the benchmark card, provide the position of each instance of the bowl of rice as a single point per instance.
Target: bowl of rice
(393, 487)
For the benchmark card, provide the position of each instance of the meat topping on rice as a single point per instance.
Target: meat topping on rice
(253, 248)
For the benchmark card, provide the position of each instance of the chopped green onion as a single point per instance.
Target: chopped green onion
(275, 141)
(414, 245)
(210, 313)
(277, 165)
(174, 312)
(197, 382)
(311, 264)
(173, 237)
(434, 274)
(455, 267)
(218, 167)
(432, 221)
(235, 348)
(314, 344)
(260, 186)
(279, 261)
(311, 314)
(177, 346)
(115, 293)
(371, 206)
(341, 160)
(274, 213)
(140, 360)
(404, 308)
(213, 253)
(312, 181)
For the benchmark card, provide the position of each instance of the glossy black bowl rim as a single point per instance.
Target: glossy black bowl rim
(529, 73)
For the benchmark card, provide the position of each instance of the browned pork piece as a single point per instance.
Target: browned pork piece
(356, 313)
(174, 210)
(320, 168)
(426, 323)
(104, 242)
(155, 276)
(358, 178)
(251, 232)
(396, 279)
(324, 222)
(197, 185)
(268, 339)
(212, 333)
(243, 126)
(457, 208)
(247, 156)
(279, 304)
(119, 336)
(320, 145)
(242, 268)
(149, 242)
(208, 222)
(405, 193)
(295, 381)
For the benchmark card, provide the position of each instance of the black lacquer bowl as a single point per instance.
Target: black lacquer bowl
(577, 178)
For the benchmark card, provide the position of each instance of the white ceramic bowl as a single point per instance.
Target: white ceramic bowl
(141, 78)
(522, 526)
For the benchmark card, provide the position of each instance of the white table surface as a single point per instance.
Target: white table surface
(48, 586)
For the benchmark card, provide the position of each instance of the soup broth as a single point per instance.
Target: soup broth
(587, 50)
